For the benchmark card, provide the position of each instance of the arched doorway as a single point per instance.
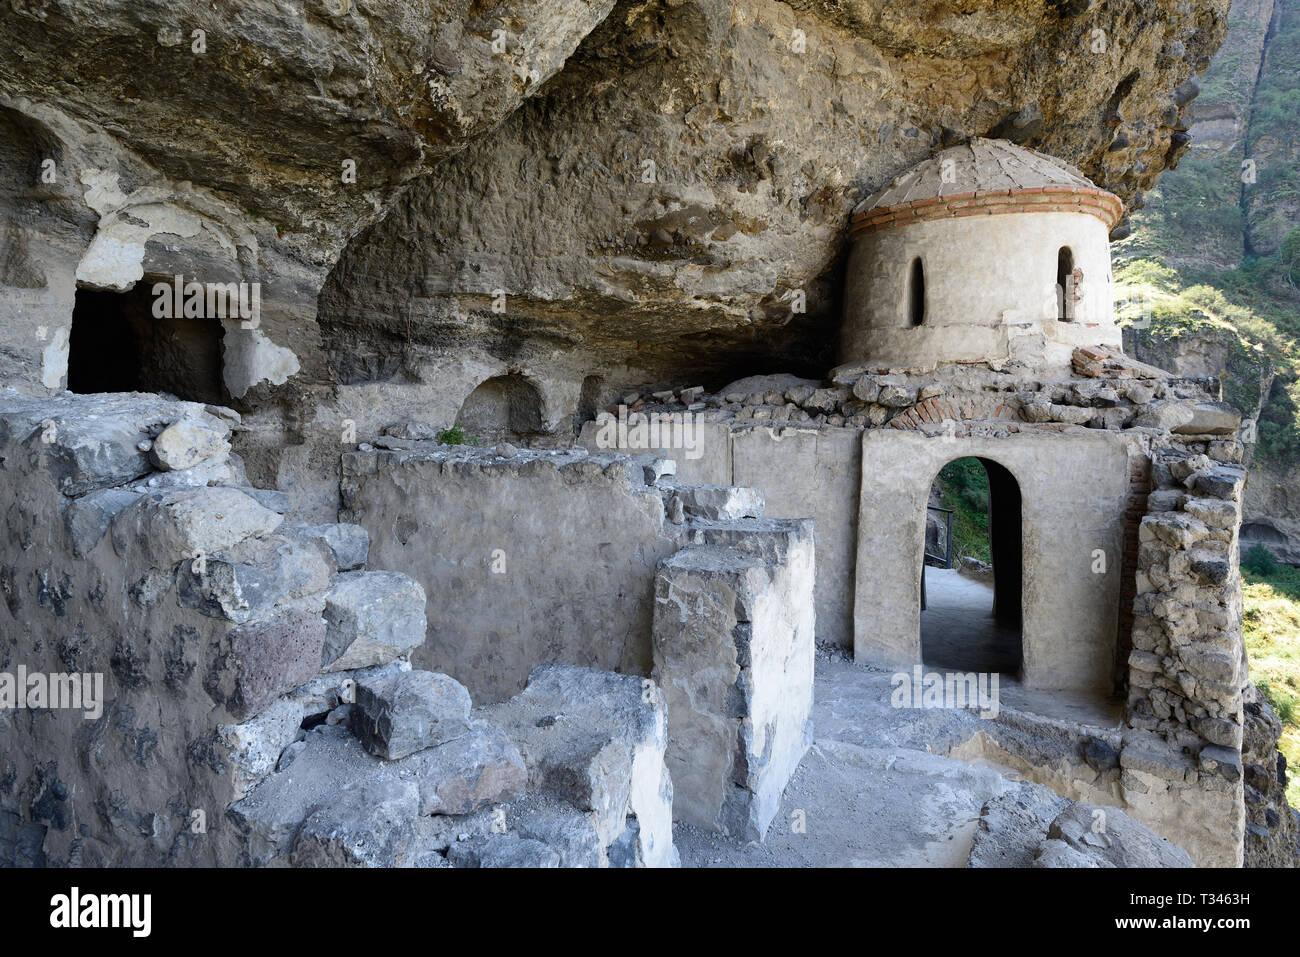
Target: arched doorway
(504, 406)
(971, 612)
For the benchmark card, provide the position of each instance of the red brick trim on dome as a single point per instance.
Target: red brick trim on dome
(1035, 199)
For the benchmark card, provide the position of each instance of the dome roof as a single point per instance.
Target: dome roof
(983, 170)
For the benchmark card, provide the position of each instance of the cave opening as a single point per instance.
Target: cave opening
(103, 351)
(118, 345)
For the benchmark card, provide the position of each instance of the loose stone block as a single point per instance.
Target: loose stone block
(249, 580)
(253, 748)
(171, 526)
(349, 544)
(1107, 837)
(373, 617)
(475, 770)
(596, 740)
(259, 661)
(502, 850)
(184, 444)
(87, 518)
(405, 712)
(1210, 418)
(1223, 482)
(720, 503)
(467, 774)
(368, 824)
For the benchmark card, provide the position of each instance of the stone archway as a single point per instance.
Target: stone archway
(502, 406)
(973, 621)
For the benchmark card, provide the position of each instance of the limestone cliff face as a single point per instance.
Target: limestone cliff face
(264, 101)
(142, 139)
(1270, 203)
(674, 201)
(1235, 198)
(589, 191)
(1220, 134)
(1222, 219)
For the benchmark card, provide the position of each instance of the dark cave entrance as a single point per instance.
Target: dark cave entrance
(118, 345)
(973, 622)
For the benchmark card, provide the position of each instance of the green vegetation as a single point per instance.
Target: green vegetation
(454, 436)
(1271, 625)
(965, 489)
(1218, 246)
(1259, 561)
(1257, 336)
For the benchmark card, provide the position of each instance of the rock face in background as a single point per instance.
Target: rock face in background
(619, 190)
(1245, 374)
(1221, 138)
(1218, 212)
(1270, 203)
(1222, 222)
(264, 103)
(676, 199)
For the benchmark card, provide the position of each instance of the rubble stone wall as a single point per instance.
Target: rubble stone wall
(1183, 756)
(197, 605)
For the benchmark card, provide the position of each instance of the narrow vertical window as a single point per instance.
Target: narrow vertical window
(916, 293)
(1066, 294)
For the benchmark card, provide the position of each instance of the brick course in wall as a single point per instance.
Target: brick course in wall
(1037, 199)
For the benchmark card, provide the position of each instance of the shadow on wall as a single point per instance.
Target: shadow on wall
(503, 406)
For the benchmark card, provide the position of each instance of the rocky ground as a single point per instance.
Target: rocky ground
(877, 789)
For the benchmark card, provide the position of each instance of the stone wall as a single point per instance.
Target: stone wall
(526, 558)
(1062, 533)
(243, 690)
(1130, 484)
(1182, 758)
(140, 555)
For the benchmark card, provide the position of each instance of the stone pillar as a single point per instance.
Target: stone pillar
(733, 651)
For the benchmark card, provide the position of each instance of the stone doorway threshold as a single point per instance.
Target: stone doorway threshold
(876, 789)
